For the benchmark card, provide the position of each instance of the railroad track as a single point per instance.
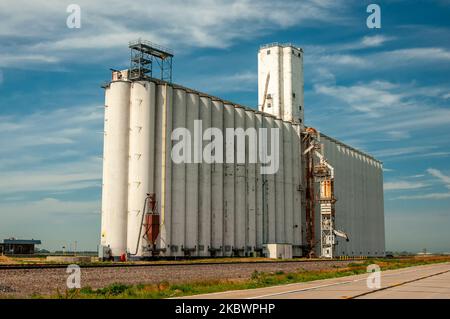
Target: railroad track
(180, 263)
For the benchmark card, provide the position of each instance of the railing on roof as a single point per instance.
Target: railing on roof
(288, 44)
(151, 44)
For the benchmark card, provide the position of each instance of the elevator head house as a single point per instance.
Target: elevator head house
(323, 199)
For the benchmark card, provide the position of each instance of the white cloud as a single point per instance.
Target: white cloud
(369, 98)
(51, 205)
(441, 176)
(403, 185)
(238, 82)
(426, 196)
(396, 110)
(434, 54)
(7, 59)
(56, 150)
(342, 55)
(398, 135)
(375, 41)
(399, 151)
(40, 33)
(70, 176)
(341, 60)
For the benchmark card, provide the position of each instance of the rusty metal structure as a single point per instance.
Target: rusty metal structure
(319, 181)
(150, 60)
(309, 196)
(151, 223)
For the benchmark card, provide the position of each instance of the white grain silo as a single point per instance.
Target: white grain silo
(225, 207)
(115, 167)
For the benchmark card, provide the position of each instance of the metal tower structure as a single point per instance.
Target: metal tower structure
(309, 195)
(320, 172)
(149, 60)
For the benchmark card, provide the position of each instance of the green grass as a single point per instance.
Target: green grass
(256, 280)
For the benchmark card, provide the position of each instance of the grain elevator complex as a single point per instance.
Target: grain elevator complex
(323, 199)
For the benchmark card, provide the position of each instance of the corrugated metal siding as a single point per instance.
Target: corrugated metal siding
(359, 207)
(222, 209)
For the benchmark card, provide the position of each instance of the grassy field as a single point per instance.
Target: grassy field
(257, 280)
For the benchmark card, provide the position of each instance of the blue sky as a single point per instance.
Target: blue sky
(385, 91)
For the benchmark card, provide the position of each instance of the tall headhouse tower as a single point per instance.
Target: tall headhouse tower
(280, 81)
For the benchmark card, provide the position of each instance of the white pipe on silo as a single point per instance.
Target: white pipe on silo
(105, 200)
(288, 183)
(380, 208)
(342, 217)
(341, 190)
(105, 209)
(297, 201)
(355, 202)
(178, 179)
(251, 222)
(365, 176)
(370, 187)
(163, 164)
(192, 171)
(362, 202)
(116, 166)
(344, 188)
(269, 198)
(376, 220)
(140, 168)
(240, 225)
(229, 190)
(286, 74)
(205, 207)
(280, 236)
(217, 186)
(259, 189)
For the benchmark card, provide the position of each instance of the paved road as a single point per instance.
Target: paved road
(419, 282)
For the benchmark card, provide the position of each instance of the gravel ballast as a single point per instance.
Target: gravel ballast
(24, 283)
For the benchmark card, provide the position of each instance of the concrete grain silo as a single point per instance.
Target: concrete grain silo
(227, 204)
